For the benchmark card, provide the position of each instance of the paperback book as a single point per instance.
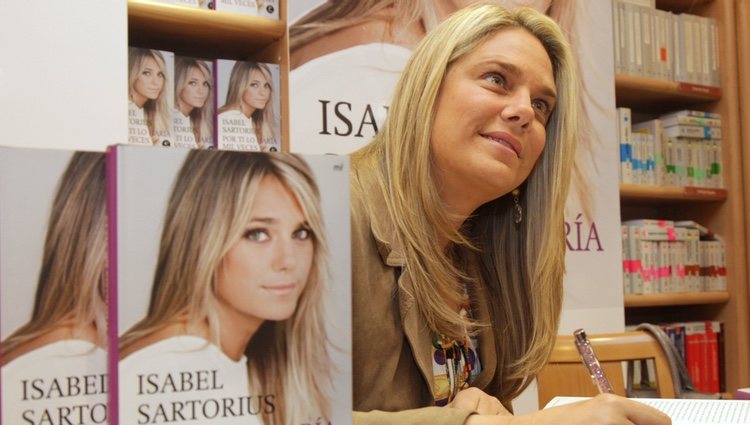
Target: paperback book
(193, 113)
(185, 3)
(53, 312)
(150, 96)
(248, 105)
(230, 274)
(260, 8)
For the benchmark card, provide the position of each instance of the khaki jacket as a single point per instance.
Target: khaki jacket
(392, 346)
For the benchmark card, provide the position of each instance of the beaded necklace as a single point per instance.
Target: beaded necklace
(455, 363)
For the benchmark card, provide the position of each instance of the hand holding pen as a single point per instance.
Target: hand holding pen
(591, 362)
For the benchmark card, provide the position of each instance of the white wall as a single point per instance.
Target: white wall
(63, 73)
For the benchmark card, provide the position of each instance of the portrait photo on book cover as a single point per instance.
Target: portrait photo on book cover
(53, 253)
(193, 113)
(150, 98)
(234, 308)
(249, 106)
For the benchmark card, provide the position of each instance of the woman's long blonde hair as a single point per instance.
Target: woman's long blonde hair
(207, 213)
(263, 119)
(521, 266)
(71, 286)
(155, 110)
(201, 119)
(335, 15)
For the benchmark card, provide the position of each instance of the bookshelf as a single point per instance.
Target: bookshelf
(215, 35)
(721, 210)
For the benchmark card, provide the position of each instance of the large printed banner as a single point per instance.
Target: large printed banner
(344, 68)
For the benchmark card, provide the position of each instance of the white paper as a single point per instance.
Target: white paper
(688, 411)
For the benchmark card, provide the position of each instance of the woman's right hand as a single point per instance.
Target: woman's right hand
(604, 409)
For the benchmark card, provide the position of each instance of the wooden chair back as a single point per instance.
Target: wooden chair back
(565, 374)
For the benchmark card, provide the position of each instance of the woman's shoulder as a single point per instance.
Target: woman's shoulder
(48, 341)
(174, 334)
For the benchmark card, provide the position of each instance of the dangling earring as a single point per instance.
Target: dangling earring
(517, 210)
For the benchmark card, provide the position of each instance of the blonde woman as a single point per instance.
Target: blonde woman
(457, 229)
(65, 339)
(192, 117)
(237, 298)
(249, 105)
(148, 109)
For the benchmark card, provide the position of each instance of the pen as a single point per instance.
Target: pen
(591, 362)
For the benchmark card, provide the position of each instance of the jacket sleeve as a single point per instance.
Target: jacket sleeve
(425, 415)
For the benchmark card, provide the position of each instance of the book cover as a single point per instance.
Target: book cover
(231, 274)
(193, 112)
(53, 312)
(185, 3)
(248, 105)
(150, 96)
(260, 8)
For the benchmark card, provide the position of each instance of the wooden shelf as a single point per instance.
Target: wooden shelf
(200, 32)
(650, 193)
(648, 94)
(687, 298)
(681, 6)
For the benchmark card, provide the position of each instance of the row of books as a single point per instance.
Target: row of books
(665, 256)
(682, 148)
(181, 101)
(262, 8)
(700, 345)
(658, 44)
(148, 285)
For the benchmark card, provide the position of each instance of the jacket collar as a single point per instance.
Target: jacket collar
(413, 321)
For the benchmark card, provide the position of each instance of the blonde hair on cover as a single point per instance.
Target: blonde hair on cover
(207, 213)
(335, 15)
(239, 79)
(521, 266)
(71, 286)
(155, 110)
(201, 119)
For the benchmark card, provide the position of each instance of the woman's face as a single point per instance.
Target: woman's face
(490, 119)
(196, 89)
(263, 274)
(258, 90)
(150, 80)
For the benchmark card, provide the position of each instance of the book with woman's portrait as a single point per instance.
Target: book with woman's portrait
(261, 8)
(150, 96)
(53, 312)
(248, 106)
(230, 276)
(194, 99)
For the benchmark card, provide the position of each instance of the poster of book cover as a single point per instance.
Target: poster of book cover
(231, 275)
(150, 96)
(248, 106)
(193, 113)
(53, 309)
(261, 8)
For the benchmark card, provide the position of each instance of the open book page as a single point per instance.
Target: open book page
(688, 411)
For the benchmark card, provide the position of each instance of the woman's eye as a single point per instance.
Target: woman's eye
(161, 75)
(146, 73)
(268, 86)
(205, 84)
(192, 83)
(254, 85)
(540, 106)
(496, 79)
(256, 235)
(303, 234)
